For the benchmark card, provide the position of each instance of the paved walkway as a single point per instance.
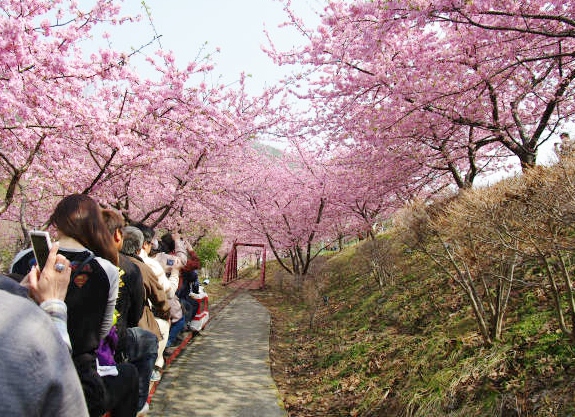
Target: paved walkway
(225, 371)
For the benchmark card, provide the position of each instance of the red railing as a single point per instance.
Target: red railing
(231, 271)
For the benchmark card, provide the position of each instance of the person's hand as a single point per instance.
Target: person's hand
(52, 282)
(177, 264)
(188, 246)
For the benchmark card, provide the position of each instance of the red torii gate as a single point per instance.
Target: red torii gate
(231, 271)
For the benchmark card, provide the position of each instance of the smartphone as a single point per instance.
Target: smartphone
(41, 245)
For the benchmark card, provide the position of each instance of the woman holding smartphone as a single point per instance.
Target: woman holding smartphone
(40, 334)
(85, 241)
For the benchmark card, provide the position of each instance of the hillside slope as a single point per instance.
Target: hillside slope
(344, 346)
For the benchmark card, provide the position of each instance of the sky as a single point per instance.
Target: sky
(194, 28)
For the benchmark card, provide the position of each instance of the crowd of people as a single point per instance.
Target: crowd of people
(110, 303)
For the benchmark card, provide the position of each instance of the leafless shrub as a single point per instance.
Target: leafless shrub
(486, 240)
(383, 257)
(314, 287)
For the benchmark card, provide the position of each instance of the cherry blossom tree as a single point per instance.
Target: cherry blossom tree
(364, 186)
(407, 98)
(45, 109)
(458, 85)
(73, 123)
(283, 200)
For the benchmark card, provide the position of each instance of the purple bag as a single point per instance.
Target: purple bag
(105, 354)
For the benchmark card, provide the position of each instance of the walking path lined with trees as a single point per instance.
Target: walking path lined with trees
(225, 371)
(407, 104)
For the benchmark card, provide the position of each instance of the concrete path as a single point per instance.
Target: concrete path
(225, 371)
